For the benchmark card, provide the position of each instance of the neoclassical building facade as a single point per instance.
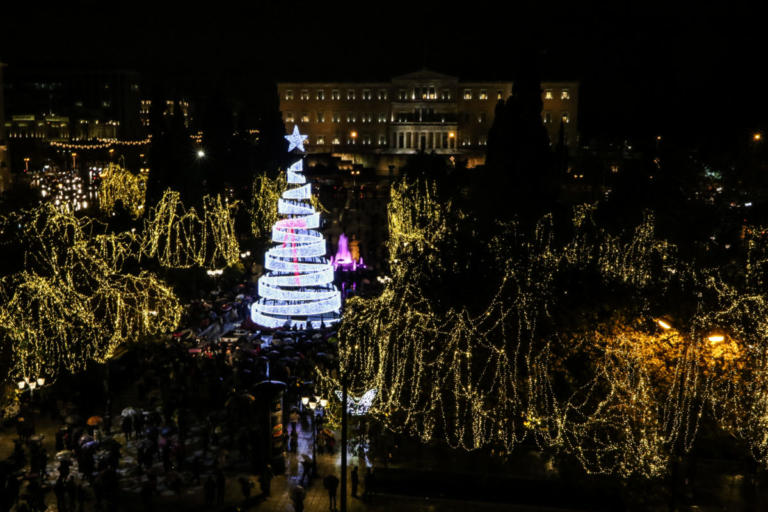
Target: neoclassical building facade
(379, 124)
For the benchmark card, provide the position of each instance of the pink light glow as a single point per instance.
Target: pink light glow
(343, 258)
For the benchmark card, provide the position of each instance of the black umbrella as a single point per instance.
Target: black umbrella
(73, 419)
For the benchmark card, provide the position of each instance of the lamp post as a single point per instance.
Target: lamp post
(31, 384)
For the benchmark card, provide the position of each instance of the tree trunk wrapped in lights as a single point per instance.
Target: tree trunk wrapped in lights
(298, 289)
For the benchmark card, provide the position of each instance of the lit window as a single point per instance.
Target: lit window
(305, 94)
(432, 93)
(350, 117)
(382, 140)
(289, 117)
(402, 95)
(382, 117)
(336, 117)
(483, 94)
(445, 94)
(565, 94)
(321, 141)
(547, 94)
(288, 94)
(320, 94)
(335, 94)
(335, 141)
(467, 94)
(367, 95)
(564, 117)
(382, 94)
(321, 117)
(305, 117)
(367, 139)
(499, 95)
(350, 94)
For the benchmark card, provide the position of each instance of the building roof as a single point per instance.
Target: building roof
(424, 74)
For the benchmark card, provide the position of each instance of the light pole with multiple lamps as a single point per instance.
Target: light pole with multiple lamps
(31, 384)
(316, 404)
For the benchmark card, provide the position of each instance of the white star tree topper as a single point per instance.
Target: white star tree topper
(295, 140)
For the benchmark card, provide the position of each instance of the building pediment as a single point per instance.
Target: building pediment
(424, 74)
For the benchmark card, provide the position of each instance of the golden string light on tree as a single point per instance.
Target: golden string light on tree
(180, 238)
(601, 381)
(120, 185)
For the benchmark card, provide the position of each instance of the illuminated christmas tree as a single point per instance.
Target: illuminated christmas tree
(297, 290)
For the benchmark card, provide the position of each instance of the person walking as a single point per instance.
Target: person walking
(331, 483)
(209, 490)
(221, 486)
(245, 487)
(368, 493)
(265, 480)
(297, 497)
(355, 481)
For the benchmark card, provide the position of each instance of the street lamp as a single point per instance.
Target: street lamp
(200, 153)
(757, 136)
(664, 324)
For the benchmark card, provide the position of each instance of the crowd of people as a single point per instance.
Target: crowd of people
(198, 413)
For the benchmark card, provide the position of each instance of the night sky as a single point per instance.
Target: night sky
(693, 74)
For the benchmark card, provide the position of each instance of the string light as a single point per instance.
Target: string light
(621, 391)
(180, 238)
(119, 184)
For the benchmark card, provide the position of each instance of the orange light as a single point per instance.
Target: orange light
(757, 136)
(664, 325)
(353, 134)
(716, 338)
(451, 135)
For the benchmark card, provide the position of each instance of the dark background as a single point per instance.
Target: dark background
(694, 75)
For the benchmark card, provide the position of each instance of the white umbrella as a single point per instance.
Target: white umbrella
(129, 411)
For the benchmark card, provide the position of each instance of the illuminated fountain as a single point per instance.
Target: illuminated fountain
(347, 255)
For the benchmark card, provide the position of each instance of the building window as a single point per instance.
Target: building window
(304, 94)
(321, 117)
(445, 94)
(382, 117)
(382, 140)
(467, 94)
(305, 117)
(289, 117)
(432, 93)
(336, 141)
(564, 117)
(321, 140)
(565, 94)
(382, 94)
(548, 94)
(320, 94)
(402, 95)
(350, 94)
(483, 94)
(499, 95)
(336, 117)
(400, 140)
(367, 95)
(350, 117)
(367, 140)
(335, 94)
(547, 117)
(351, 141)
(481, 117)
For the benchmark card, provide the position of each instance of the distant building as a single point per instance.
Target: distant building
(380, 123)
(5, 165)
